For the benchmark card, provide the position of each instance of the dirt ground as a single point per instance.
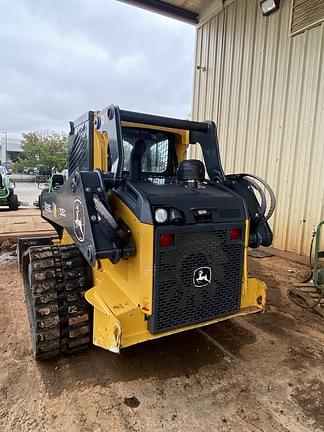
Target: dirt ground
(264, 372)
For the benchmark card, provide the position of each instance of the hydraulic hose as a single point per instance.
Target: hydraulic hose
(263, 205)
(256, 186)
(293, 294)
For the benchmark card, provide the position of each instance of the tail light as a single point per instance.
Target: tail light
(235, 234)
(166, 240)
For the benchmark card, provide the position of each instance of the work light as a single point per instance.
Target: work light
(161, 215)
(269, 6)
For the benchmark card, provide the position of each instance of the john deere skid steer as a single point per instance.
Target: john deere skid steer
(149, 242)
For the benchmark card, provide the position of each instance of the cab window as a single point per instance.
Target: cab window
(156, 149)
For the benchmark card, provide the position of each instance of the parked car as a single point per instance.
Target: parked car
(30, 170)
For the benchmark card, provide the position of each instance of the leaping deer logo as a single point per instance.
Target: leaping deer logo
(78, 220)
(202, 276)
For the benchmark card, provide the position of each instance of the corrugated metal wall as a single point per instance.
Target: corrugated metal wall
(265, 92)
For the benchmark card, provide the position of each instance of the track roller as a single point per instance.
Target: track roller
(55, 279)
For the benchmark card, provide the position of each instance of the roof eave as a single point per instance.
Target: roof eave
(166, 9)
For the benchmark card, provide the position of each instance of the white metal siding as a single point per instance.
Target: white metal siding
(265, 91)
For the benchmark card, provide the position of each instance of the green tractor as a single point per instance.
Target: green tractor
(7, 195)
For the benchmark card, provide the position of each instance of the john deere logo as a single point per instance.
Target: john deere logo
(78, 220)
(202, 276)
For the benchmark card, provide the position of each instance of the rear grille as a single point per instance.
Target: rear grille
(200, 254)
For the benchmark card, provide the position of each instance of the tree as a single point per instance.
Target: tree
(43, 151)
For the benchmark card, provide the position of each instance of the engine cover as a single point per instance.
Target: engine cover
(199, 277)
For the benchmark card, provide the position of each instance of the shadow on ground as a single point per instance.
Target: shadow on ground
(172, 356)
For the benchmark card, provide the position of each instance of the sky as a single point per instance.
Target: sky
(59, 59)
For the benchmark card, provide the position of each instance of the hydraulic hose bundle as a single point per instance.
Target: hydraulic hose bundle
(247, 186)
(264, 205)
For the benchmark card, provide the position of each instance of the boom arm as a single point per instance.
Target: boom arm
(80, 206)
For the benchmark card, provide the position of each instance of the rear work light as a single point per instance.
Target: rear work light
(235, 234)
(166, 240)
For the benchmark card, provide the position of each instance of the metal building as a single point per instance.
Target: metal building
(8, 146)
(261, 78)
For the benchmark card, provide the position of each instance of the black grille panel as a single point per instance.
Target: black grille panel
(177, 301)
(81, 144)
(78, 151)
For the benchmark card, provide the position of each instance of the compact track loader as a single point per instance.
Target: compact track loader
(7, 191)
(149, 243)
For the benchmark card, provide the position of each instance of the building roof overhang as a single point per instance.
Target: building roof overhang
(185, 10)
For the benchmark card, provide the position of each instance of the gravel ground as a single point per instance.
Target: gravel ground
(259, 373)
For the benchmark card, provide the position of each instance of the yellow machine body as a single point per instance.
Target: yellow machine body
(122, 293)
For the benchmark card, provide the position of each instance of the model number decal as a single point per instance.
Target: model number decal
(47, 207)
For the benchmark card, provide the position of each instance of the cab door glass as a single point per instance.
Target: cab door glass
(156, 157)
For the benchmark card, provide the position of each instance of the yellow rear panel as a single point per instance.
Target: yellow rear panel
(122, 292)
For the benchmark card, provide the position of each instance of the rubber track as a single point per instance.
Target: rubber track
(60, 317)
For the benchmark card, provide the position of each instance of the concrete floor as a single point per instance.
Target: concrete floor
(27, 193)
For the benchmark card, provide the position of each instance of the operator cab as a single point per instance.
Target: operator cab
(152, 156)
(148, 154)
(161, 187)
